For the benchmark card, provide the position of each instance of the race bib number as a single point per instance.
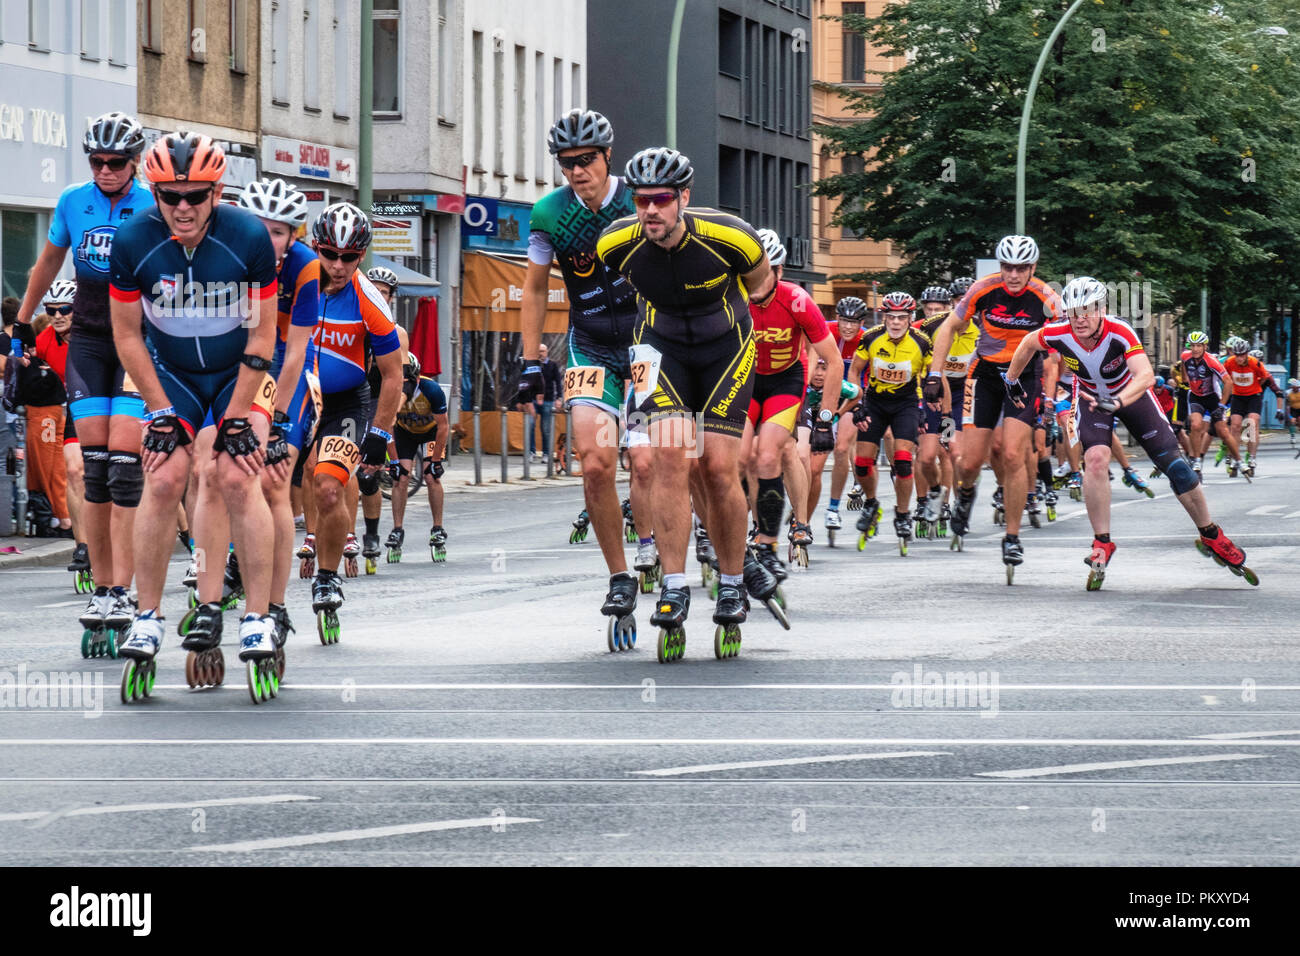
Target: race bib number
(1242, 379)
(430, 450)
(584, 381)
(313, 389)
(265, 397)
(128, 383)
(340, 451)
(645, 361)
(892, 373)
(956, 366)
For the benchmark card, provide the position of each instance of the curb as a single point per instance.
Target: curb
(41, 555)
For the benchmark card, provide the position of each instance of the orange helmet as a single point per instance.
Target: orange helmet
(185, 157)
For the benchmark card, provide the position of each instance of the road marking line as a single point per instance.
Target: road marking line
(1002, 687)
(139, 807)
(789, 762)
(1248, 734)
(630, 742)
(369, 833)
(61, 604)
(1115, 765)
(1208, 607)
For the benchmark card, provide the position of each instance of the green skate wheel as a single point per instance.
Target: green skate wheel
(187, 621)
(1251, 577)
(647, 583)
(149, 677)
(902, 547)
(394, 556)
(273, 677)
(128, 682)
(672, 644)
(862, 541)
(726, 641)
(371, 567)
(192, 600)
(631, 534)
(85, 642)
(714, 584)
(1051, 512)
(110, 643)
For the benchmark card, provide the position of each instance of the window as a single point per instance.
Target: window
(851, 165)
(729, 179)
(90, 29)
(342, 61)
(446, 60)
(539, 116)
(750, 210)
(557, 95)
(279, 53)
(785, 84)
(197, 30)
(768, 94)
(387, 47)
(38, 25)
(578, 92)
(151, 25)
(731, 44)
(20, 238)
(753, 70)
(476, 103)
(498, 106)
(855, 47)
(310, 57)
(118, 18)
(239, 35)
(521, 113)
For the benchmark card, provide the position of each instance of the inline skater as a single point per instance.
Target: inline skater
(891, 359)
(104, 407)
(565, 225)
(1006, 306)
(1249, 379)
(193, 289)
(939, 442)
(1205, 375)
(354, 320)
(421, 422)
(695, 270)
(1114, 380)
(846, 328)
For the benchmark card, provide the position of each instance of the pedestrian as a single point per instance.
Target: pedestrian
(545, 404)
(40, 389)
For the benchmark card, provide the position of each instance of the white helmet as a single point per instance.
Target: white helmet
(276, 200)
(387, 276)
(1257, 354)
(342, 226)
(1082, 292)
(63, 290)
(1017, 250)
(1293, 383)
(772, 246)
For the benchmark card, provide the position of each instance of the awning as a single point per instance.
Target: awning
(409, 282)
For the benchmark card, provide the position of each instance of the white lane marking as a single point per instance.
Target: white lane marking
(369, 833)
(1208, 607)
(62, 604)
(1115, 765)
(142, 807)
(789, 762)
(630, 742)
(1002, 687)
(1248, 734)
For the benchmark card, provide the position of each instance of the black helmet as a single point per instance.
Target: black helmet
(851, 307)
(960, 287)
(580, 128)
(659, 166)
(114, 133)
(343, 226)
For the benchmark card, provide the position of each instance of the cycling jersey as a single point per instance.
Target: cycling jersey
(690, 294)
(602, 303)
(778, 324)
(417, 414)
(1102, 370)
(847, 347)
(1248, 379)
(1203, 374)
(962, 349)
(84, 216)
(1004, 319)
(298, 287)
(195, 303)
(348, 318)
(1293, 400)
(894, 366)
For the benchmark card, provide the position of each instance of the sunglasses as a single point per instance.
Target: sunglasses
(172, 197)
(655, 199)
(582, 159)
(53, 310)
(116, 164)
(334, 255)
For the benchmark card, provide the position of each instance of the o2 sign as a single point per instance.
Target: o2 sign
(479, 217)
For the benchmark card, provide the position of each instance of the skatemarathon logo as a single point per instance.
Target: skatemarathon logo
(76, 909)
(56, 690)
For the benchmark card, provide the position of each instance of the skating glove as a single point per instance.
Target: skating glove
(373, 449)
(1015, 391)
(1110, 406)
(396, 471)
(932, 389)
(236, 438)
(822, 438)
(164, 433)
(277, 446)
(860, 416)
(531, 383)
(434, 469)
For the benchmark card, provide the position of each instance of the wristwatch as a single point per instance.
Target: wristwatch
(825, 415)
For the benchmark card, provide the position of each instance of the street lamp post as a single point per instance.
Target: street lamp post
(674, 42)
(1024, 117)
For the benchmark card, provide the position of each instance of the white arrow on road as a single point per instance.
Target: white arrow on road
(1115, 765)
(147, 807)
(788, 762)
(369, 833)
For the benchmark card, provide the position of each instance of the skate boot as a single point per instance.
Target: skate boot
(438, 544)
(370, 551)
(620, 605)
(1224, 552)
(1049, 500)
(999, 511)
(258, 651)
(1097, 560)
(706, 556)
(945, 519)
(191, 577)
(647, 566)
(868, 522)
(763, 585)
(961, 514)
(629, 525)
(730, 611)
(800, 540)
(933, 509)
(326, 599)
(903, 530)
(232, 585)
(580, 525)
(82, 580)
(1134, 481)
(141, 650)
(394, 545)
(307, 557)
(767, 556)
(833, 524)
(200, 628)
(97, 638)
(1032, 511)
(855, 498)
(1013, 555)
(351, 551)
(670, 617)
(280, 616)
(919, 523)
(1248, 469)
(1075, 486)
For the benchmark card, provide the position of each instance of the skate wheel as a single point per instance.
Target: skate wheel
(714, 583)
(631, 535)
(350, 568)
(830, 538)
(128, 682)
(394, 557)
(862, 541)
(191, 677)
(902, 547)
(613, 640)
(218, 668)
(1149, 492)
(279, 666)
(186, 622)
(1011, 574)
(672, 644)
(646, 582)
(1251, 577)
(957, 543)
(192, 599)
(110, 643)
(776, 604)
(628, 625)
(801, 556)
(85, 642)
(1051, 513)
(255, 688)
(726, 641)
(371, 567)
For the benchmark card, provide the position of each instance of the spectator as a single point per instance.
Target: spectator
(544, 407)
(41, 390)
(8, 312)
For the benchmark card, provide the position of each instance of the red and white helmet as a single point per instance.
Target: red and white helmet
(898, 302)
(343, 226)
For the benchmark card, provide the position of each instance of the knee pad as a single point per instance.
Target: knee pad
(863, 467)
(770, 505)
(368, 484)
(125, 478)
(903, 464)
(1181, 476)
(94, 465)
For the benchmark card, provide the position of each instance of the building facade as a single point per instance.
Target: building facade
(62, 63)
(743, 106)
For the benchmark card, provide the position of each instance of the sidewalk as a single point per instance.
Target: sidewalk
(36, 552)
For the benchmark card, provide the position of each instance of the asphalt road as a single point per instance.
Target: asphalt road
(920, 711)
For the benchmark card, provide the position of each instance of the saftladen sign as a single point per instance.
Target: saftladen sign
(396, 227)
(293, 157)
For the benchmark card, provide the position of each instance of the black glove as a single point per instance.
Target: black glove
(277, 446)
(396, 471)
(1015, 391)
(434, 469)
(373, 449)
(235, 437)
(531, 383)
(860, 415)
(1110, 406)
(822, 438)
(932, 389)
(164, 434)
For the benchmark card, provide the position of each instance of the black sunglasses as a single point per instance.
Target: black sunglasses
(332, 255)
(172, 197)
(116, 164)
(53, 310)
(582, 159)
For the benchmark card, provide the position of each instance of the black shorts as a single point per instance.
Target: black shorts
(1244, 405)
(713, 380)
(69, 430)
(96, 381)
(989, 401)
(409, 442)
(901, 413)
(778, 397)
(1180, 413)
(1208, 406)
(1144, 421)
